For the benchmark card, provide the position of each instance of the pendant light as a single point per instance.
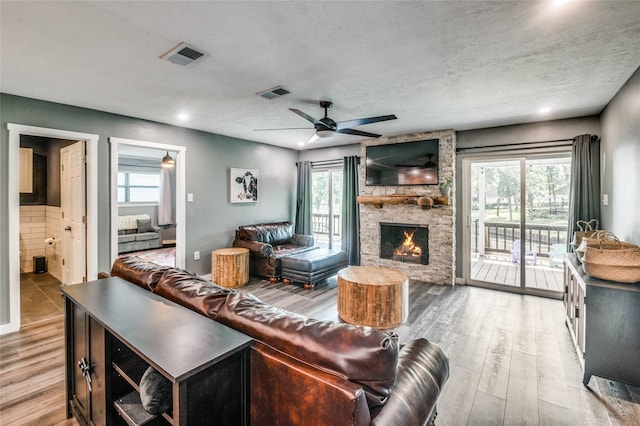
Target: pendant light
(168, 161)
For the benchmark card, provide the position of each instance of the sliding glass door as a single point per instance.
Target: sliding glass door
(516, 211)
(326, 209)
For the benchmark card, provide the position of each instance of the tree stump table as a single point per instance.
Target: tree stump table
(374, 296)
(230, 266)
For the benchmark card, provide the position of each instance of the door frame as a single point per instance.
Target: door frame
(91, 189)
(180, 193)
(517, 155)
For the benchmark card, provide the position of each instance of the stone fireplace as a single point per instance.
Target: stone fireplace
(403, 242)
(438, 222)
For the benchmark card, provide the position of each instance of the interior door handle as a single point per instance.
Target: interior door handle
(67, 228)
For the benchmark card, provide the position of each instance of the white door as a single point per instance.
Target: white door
(72, 180)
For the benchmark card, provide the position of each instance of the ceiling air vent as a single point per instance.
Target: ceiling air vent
(274, 92)
(182, 54)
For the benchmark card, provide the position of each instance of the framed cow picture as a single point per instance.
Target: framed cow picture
(243, 185)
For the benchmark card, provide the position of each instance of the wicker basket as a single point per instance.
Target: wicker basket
(586, 230)
(613, 260)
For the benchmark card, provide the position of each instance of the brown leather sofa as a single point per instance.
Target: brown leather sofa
(268, 243)
(309, 372)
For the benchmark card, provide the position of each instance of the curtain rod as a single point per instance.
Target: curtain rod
(522, 143)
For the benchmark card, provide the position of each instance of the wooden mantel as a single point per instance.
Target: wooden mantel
(425, 202)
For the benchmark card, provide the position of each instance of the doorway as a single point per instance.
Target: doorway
(517, 216)
(17, 131)
(146, 153)
(326, 206)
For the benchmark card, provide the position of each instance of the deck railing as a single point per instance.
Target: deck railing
(320, 224)
(499, 236)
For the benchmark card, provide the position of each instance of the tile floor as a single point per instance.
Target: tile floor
(40, 298)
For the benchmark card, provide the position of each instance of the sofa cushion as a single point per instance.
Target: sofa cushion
(144, 225)
(146, 236)
(140, 272)
(127, 238)
(360, 354)
(131, 221)
(272, 233)
(192, 292)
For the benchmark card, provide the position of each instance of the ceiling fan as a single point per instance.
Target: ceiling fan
(327, 127)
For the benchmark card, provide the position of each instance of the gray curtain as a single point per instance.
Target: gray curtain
(584, 198)
(351, 209)
(303, 201)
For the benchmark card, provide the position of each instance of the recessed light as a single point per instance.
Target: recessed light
(544, 110)
(300, 143)
(183, 116)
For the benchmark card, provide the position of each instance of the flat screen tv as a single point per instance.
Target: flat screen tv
(408, 163)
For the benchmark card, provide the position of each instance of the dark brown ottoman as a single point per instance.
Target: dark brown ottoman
(312, 266)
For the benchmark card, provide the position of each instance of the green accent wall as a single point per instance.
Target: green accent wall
(210, 220)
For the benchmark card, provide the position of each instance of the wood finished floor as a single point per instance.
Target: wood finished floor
(511, 359)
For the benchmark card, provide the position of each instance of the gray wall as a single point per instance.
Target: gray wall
(332, 153)
(532, 132)
(620, 150)
(210, 219)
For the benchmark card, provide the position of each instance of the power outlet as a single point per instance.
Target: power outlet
(196, 255)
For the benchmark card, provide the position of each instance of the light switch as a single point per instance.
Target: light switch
(605, 199)
(190, 197)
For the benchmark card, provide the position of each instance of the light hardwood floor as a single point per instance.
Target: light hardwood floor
(511, 359)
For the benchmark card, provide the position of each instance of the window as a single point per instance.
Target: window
(137, 187)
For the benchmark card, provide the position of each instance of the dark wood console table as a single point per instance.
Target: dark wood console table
(604, 320)
(116, 330)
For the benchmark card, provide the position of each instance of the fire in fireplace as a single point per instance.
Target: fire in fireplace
(404, 242)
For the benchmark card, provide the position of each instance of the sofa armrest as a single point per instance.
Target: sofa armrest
(256, 248)
(286, 391)
(423, 369)
(302, 240)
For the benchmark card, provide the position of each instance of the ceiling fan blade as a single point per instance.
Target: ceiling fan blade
(358, 133)
(361, 121)
(284, 128)
(305, 115)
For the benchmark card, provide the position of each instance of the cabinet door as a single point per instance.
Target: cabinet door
(88, 362)
(80, 350)
(581, 313)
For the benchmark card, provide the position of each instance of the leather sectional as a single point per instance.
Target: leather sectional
(305, 371)
(276, 252)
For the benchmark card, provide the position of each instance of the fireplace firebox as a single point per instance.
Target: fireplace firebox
(403, 242)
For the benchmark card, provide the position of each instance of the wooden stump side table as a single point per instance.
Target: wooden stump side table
(374, 296)
(230, 266)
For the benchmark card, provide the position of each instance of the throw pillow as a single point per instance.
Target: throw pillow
(155, 392)
(144, 225)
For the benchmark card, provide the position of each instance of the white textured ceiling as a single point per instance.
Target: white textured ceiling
(436, 65)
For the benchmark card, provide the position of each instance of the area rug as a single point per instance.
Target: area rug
(163, 256)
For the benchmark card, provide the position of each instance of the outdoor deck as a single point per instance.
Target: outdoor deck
(501, 270)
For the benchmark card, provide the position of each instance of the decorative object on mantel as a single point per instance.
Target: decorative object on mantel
(445, 187)
(379, 201)
(425, 202)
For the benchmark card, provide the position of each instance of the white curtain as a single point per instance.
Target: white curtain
(165, 207)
